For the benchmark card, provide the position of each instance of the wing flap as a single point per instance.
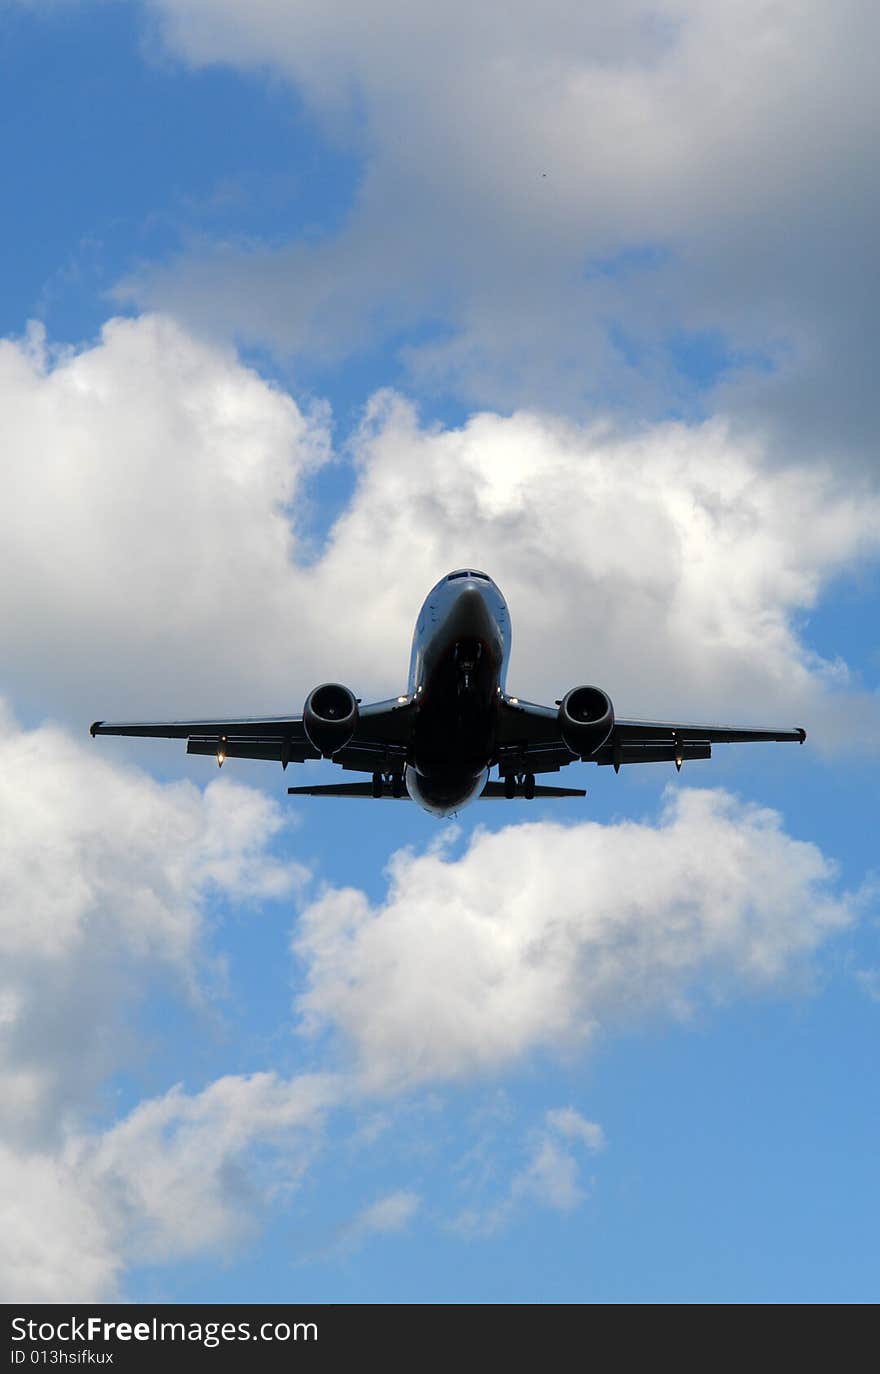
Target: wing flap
(363, 757)
(652, 753)
(277, 750)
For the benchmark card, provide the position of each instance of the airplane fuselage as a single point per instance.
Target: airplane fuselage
(460, 652)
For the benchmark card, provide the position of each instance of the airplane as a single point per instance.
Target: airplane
(437, 742)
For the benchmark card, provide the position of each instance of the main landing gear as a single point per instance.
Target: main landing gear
(522, 783)
(394, 781)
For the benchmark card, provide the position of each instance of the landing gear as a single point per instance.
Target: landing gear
(394, 781)
(524, 782)
(467, 657)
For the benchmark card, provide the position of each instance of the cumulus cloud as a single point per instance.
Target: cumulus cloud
(153, 490)
(177, 1177)
(156, 559)
(104, 877)
(678, 554)
(538, 935)
(56, 1245)
(573, 195)
(177, 1170)
(526, 942)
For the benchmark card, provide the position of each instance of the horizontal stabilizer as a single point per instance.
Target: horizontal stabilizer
(344, 789)
(493, 791)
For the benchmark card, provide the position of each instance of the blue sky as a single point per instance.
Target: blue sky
(298, 313)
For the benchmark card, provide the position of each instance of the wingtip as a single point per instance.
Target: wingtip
(95, 727)
(802, 732)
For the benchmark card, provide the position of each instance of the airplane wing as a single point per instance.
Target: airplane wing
(530, 740)
(646, 741)
(379, 740)
(632, 731)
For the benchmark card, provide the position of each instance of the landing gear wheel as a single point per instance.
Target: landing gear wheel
(397, 784)
(510, 784)
(378, 785)
(529, 786)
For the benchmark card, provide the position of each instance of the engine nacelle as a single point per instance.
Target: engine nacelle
(586, 719)
(329, 717)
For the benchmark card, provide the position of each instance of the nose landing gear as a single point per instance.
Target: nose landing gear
(467, 657)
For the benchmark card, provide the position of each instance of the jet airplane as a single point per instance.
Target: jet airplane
(437, 742)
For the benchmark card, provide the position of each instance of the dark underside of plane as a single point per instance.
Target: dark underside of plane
(437, 742)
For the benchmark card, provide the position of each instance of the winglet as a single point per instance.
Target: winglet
(93, 729)
(802, 732)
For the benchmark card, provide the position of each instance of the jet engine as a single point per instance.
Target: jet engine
(586, 719)
(329, 717)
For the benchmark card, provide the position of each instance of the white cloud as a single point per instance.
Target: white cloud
(181, 1175)
(152, 484)
(550, 1176)
(389, 1214)
(672, 566)
(540, 933)
(515, 168)
(178, 1173)
(56, 1245)
(154, 560)
(524, 943)
(569, 1123)
(104, 876)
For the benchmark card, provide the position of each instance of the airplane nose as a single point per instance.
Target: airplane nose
(470, 612)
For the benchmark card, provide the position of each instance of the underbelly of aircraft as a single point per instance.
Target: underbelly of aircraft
(444, 796)
(454, 736)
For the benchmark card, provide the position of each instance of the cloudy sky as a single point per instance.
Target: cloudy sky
(304, 305)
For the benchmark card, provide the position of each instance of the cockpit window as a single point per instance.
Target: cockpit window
(468, 572)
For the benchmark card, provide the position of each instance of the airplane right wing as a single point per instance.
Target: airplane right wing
(281, 738)
(379, 740)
